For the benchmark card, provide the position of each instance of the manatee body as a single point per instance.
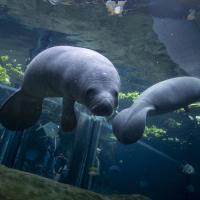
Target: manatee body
(76, 74)
(166, 96)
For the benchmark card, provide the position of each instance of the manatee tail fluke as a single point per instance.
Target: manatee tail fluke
(20, 111)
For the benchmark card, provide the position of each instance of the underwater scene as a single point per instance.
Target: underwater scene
(100, 100)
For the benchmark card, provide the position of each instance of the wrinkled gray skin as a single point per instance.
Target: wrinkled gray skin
(163, 97)
(76, 74)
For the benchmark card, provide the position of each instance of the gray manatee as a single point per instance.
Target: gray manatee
(166, 96)
(76, 74)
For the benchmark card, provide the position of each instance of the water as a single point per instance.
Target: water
(165, 156)
(150, 41)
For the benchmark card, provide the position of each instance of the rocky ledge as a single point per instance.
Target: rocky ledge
(18, 185)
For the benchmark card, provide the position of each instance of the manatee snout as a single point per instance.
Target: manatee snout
(103, 108)
(128, 128)
(102, 104)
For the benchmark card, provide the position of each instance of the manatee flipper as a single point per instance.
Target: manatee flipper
(20, 111)
(68, 121)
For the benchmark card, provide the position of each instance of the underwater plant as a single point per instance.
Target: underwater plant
(191, 107)
(93, 171)
(198, 119)
(10, 71)
(4, 78)
(172, 123)
(154, 131)
(23, 185)
(129, 95)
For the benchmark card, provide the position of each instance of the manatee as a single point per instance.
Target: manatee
(166, 96)
(74, 73)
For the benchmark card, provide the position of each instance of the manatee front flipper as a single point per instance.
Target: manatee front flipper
(68, 121)
(20, 111)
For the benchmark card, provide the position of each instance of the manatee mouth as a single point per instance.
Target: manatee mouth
(103, 108)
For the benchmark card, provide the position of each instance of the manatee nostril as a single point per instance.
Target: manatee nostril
(104, 108)
(107, 108)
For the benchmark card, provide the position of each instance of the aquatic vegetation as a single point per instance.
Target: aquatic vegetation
(9, 70)
(130, 41)
(129, 95)
(192, 106)
(4, 78)
(198, 119)
(23, 185)
(171, 139)
(172, 123)
(154, 131)
(93, 171)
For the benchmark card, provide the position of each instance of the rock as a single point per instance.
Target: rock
(190, 2)
(18, 185)
(128, 197)
(128, 41)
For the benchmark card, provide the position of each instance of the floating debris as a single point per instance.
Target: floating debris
(172, 123)
(121, 161)
(114, 8)
(188, 169)
(98, 150)
(192, 15)
(59, 2)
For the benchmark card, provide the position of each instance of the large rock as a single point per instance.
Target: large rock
(128, 41)
(18, 185)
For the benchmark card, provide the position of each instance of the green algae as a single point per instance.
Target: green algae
(18, 185)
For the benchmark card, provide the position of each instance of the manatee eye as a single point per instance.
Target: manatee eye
(115, 93)
(91, 92)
